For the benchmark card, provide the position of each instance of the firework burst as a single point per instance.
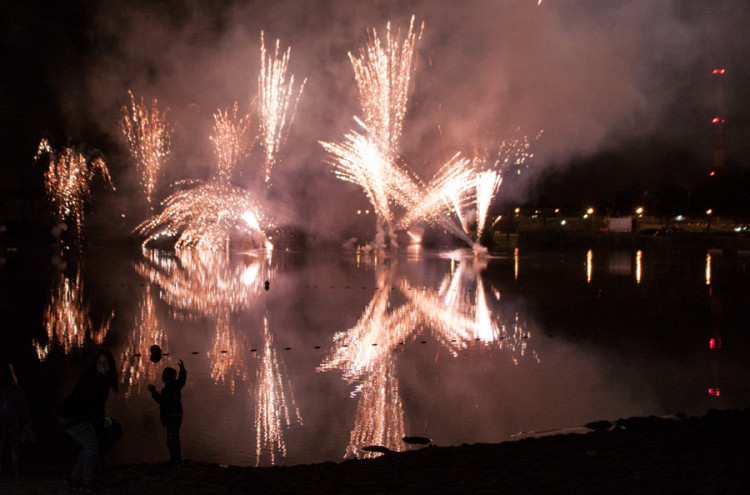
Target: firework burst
(147, 133)
(206, 217)
(383, 72)
(278, 102)
(232, 141)
(68, 180)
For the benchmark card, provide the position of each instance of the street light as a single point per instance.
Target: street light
(639, 211)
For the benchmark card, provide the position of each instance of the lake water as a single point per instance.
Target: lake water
(347, 349)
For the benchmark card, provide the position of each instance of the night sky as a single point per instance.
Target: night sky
(622, 90)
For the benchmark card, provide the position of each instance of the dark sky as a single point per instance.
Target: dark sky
(592, 75)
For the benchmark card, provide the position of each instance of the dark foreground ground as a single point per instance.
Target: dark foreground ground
(708, 454)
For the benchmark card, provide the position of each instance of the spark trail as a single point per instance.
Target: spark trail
(278, 103)
(67, 181)
(148, 137)
(232, 141)
(383, 72)
(206, 217)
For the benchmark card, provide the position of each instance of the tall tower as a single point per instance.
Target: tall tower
(718, 122)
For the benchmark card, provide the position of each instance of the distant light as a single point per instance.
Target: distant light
(719, 71)
(738, 229)
(367, 212)
(585, 215)
(557, 210)
(639, 210)
(714, 391)
(716, 120)
(562, 222)
(679, 218)
(518, 210)
(709, 212)
(590, 211)
(713, 172)
(359, 212)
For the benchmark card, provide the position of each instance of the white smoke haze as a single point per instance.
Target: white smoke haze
(587, 73)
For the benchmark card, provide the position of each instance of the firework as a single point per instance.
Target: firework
(206, 217)
(232, 141)
(447, 192)
(383, 72)
(148, 137)
(68, 180)
(278, 102)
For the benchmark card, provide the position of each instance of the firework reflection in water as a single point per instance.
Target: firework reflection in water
(206, 283)
(273, 399)
(137, 368)
(67, 319)
(366, 353)
(278, 103)
(67, 180)
(147, 133)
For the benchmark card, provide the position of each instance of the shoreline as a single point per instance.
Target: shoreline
(701, 454)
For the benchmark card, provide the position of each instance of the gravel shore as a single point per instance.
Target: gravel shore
(707, 454)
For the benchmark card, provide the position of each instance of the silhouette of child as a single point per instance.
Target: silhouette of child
(170, 408)
(15, 417)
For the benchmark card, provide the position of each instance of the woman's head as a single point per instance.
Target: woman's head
(105, 365)
(7, 376)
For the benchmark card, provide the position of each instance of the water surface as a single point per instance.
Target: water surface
(346, 349)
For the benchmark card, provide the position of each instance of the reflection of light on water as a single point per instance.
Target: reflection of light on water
(227, 363)
(708, 268)
(589, 264)
(67, 320)
(367, 351)
(515, 263)
(379, 418)
(206, 282)
(147, 331)
(271, 406)
(638, 256)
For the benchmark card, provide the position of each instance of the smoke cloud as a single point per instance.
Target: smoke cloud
(586, 73)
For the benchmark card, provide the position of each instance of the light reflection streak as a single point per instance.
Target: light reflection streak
(67, 318)
(638, 256)
(589, 264)
(137, 368)
(206, 283)
(227, 353)
(708, 268)
(365, 354)
(273, 399)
